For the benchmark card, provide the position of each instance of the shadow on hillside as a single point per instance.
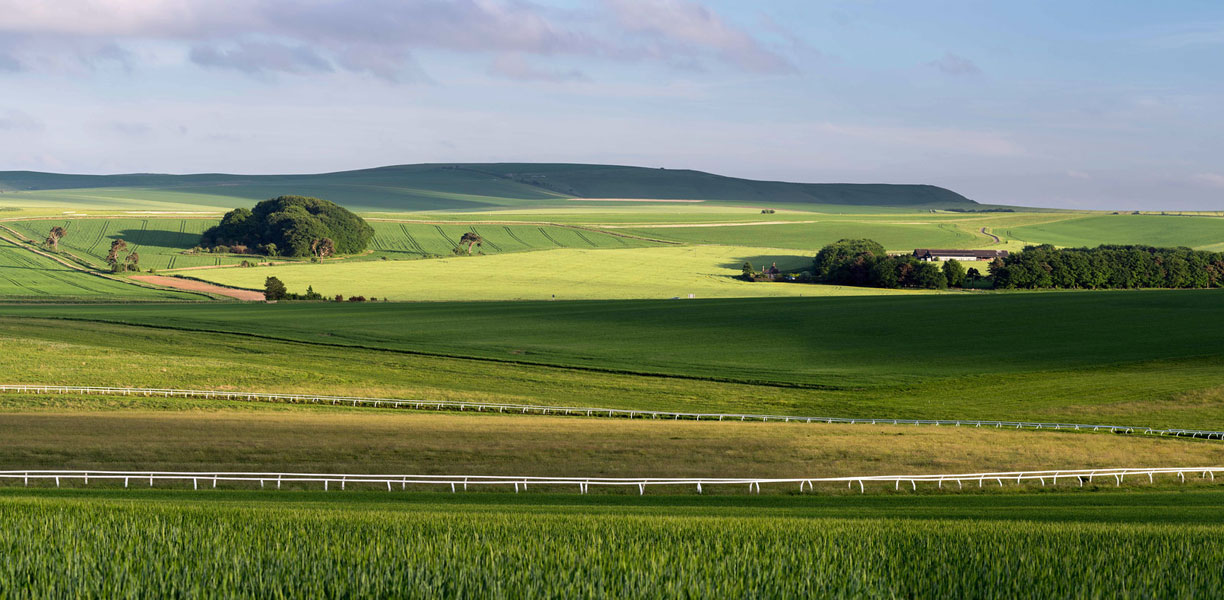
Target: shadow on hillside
(786, 263)
(157, 237)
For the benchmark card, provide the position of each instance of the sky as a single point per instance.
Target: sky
(1107, 104)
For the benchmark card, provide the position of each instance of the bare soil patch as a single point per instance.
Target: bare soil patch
(200, 286)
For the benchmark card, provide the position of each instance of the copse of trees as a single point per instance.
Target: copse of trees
(864, 262)
(292, 226)
(1109, 267)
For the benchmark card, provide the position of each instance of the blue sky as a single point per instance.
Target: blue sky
(1071, 104)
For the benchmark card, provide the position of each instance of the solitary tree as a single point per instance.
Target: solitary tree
(112, 257)
(274, 289)
(748, 271)
(323, 247)
(471, 239)
(54, 236)
(133, 261)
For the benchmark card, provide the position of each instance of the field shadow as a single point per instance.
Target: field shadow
(165, 238)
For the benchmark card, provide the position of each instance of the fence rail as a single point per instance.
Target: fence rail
(584, 484)
(439, 405)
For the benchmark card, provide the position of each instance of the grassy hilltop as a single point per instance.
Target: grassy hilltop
(455, 187)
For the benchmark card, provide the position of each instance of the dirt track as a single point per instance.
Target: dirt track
(200, 286)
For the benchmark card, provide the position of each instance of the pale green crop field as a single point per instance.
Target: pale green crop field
(569, 274)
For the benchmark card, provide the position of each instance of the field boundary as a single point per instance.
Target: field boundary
(575, 411)
(584, 484)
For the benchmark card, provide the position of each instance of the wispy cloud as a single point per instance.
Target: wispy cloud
(261, 57)
(952, 64)
(516, 67)
(16, 120)
(379, 37)
(1214, 180)
(688, 29)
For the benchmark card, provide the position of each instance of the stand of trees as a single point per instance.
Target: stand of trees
(1109, 267)
(864, 262)
(292, 226)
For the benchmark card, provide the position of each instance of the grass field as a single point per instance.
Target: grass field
(26, 275)
(1154, 230)
(163, 242)
(416, 240)
(810, 237)
(784, 340)
(160, 242)
(289, 544)
(1094, 363)
(570, 274)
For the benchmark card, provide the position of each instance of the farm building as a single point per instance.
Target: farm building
(935, 254)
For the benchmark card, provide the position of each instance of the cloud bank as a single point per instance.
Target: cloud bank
(380, 37)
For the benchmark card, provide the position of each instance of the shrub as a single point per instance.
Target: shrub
(339, 298)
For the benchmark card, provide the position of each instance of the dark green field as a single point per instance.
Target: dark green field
(830, 342)
(1152, 358)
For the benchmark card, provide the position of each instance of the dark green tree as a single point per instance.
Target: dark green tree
(927, 275)
(471, 238)
(274, 289)
(291, 225)
(836, 255)
(954, 272)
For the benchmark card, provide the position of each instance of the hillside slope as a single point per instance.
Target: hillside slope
(466, 187)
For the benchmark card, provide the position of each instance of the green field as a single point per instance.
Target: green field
(162, 243)
(26, 275)
(417, 240)
(810, 237)
(814, 341)
(173, 544)
(1090, 358)
(1152, 230)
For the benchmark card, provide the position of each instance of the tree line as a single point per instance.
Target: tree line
(1125, 267)
(864, 262)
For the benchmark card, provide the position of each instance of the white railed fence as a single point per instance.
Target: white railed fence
(327, 481)
(537, 409)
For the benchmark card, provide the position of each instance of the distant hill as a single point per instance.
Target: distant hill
(473, 186)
